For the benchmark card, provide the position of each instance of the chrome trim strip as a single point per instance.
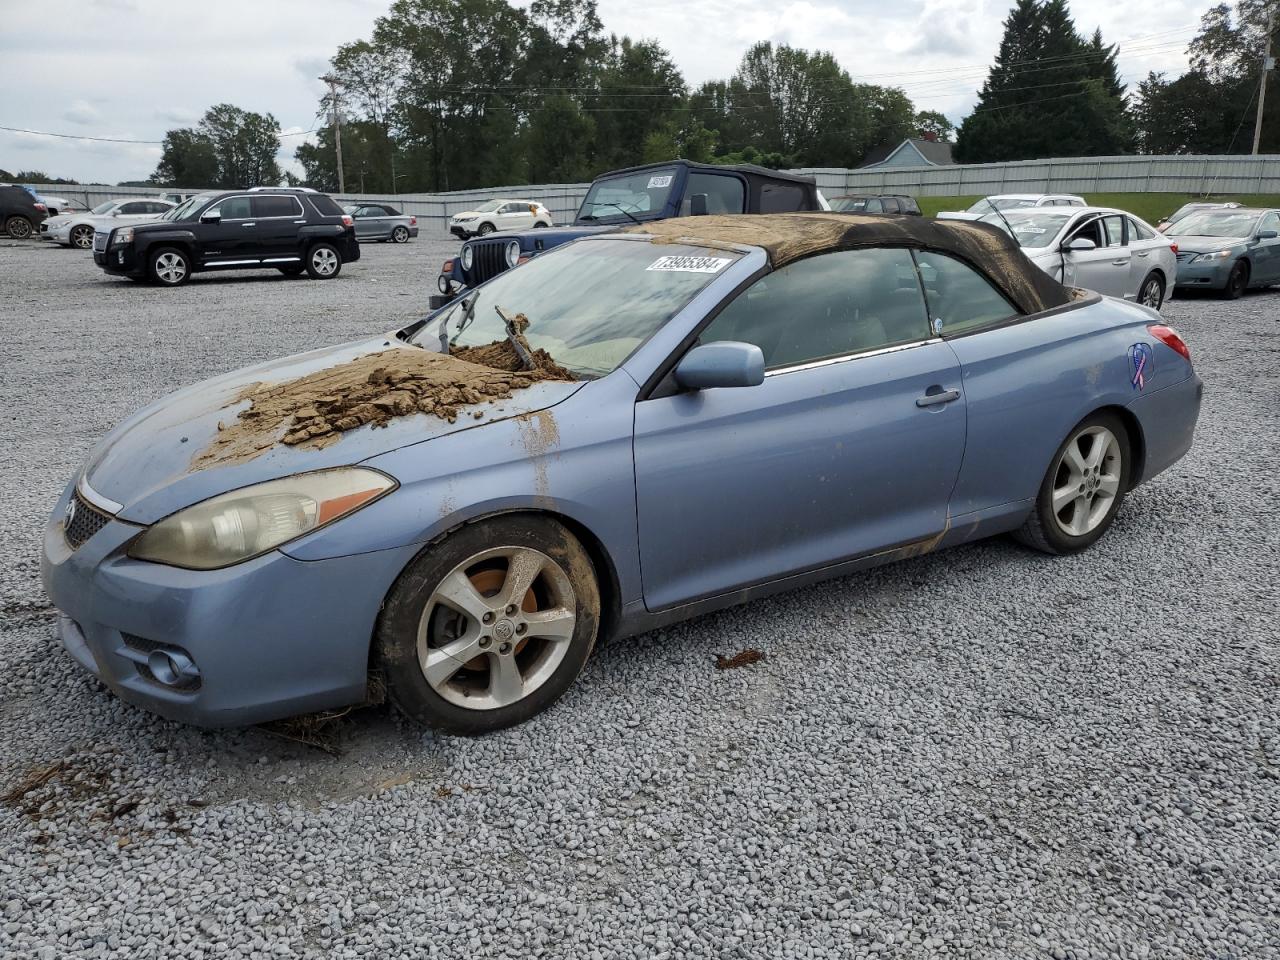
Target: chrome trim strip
(844, 358)
(282, 260)
(95, 499)
(228, 263)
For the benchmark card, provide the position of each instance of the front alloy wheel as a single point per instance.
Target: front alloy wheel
(490, 625)
(169, 267)
(1237, 281)
(82, 237)
(1083, 488)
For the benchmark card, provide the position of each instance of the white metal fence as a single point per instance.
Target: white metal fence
(1192, 175)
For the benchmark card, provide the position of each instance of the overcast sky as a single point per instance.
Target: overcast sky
(132, 69)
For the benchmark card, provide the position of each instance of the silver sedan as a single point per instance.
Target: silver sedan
(76, 229)
(1099, 248)
(381, 222)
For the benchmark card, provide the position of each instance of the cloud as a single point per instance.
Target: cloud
(82, 113)
(178, 115)
(952, 27)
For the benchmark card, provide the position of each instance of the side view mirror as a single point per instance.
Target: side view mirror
(1080, 243)
(213, 216)
(1267, 234)
(724, 363)
(698, 205)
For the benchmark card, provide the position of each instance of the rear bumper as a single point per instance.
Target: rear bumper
(269, 638)
(1168, 419)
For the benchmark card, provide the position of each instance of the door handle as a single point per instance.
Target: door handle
(1144, 253)
(248, 224)
(1121, 262)
(932, 399)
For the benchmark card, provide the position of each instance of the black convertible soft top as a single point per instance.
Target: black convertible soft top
(787, 237)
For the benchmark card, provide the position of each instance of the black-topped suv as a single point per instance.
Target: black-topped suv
(20, 212)
(289, 229)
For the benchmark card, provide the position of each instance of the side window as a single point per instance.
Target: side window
(1270, 221)
(1092, 230)
(781, 197)
(233, 208)
(891, 205)
(960, 298)
(275, 206)
(831, 305)
(1114, 229)
(1139, 232)
(136, 207)
(724, 194)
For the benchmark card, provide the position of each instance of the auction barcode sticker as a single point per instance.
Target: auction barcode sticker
(691, 264)
(658, 182)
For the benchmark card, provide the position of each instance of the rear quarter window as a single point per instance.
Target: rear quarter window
(782, 198)
(325, 205)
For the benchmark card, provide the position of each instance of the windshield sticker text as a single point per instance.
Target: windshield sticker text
(690, 264)
(657, 183)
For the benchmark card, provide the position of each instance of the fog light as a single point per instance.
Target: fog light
(171, 668)
(446, 287)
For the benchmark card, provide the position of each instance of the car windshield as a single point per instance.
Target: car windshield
(629, 197)
(1215, 223)
(181, 211)
(489, 206)
(1031, 228)
(104, 206)
(990, 204)
(589, 304)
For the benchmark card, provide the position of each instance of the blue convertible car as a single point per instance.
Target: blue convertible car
(635, 428)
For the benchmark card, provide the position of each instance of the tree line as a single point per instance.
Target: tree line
(453, 94)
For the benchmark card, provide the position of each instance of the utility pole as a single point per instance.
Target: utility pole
(1267, 65)
(332, 81)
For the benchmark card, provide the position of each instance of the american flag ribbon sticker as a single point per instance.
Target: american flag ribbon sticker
(1140, 362)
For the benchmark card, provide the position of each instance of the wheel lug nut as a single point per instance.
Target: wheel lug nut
(487, 618)
(504, 648)
(521, 628)
(511, 609)
(485, 641)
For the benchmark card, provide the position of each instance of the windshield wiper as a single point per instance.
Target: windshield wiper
(625, 212)
(513, 337)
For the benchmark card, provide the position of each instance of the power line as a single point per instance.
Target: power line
(76, 136)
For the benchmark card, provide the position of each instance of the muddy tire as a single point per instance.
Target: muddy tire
(1083, 488)
(1237, 281)
(82, 237)
(19, 228)
(489, 625)
(323, 262)
(168, 266)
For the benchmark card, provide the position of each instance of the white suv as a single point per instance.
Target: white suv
(495, 215)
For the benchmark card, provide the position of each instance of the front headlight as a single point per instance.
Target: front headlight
(461, 219)
(237, 526)
(513, 253)
(467, 256)
(122, 236)
(1216, 255)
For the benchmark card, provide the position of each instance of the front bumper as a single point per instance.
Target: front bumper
(1207, 275)
(270, 638)
(58, 232)
(122, 261)
(461, 230)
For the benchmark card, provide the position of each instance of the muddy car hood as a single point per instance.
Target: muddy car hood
(145, 463)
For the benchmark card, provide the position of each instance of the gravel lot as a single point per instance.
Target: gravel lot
(982, 753)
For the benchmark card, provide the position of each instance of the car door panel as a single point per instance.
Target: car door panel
(231, 238)
(816, 465)
(1266, 252)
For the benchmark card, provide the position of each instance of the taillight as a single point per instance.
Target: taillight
(347, 221)
(448, 267)
(413, 221)
(41, 207)
(1174, 248)
(1169, 337)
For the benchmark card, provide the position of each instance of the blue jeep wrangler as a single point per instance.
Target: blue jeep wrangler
(654, 191)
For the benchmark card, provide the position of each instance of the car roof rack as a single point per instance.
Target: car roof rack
(281, 190)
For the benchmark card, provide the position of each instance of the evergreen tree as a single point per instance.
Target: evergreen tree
(1049, 93)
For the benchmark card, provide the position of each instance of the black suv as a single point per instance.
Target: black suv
(875, 203)
(289, 229)
(20, 212)
(655, 191)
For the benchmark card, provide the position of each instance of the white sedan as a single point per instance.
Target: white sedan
(76, 229)
(1098, 248)
(1012, 201)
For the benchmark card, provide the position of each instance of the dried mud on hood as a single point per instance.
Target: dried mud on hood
(314, 411)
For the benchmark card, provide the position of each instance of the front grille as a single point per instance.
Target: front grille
(489, 260)
(85, 521)
(99, 242)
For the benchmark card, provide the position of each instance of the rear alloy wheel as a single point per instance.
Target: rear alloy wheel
(400, 234)
(323, 262)
(1237, 281)
(169, 267)
(490, 625)
(82, 237)
(18, 228)
(1151, 293)
(1083, 489)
